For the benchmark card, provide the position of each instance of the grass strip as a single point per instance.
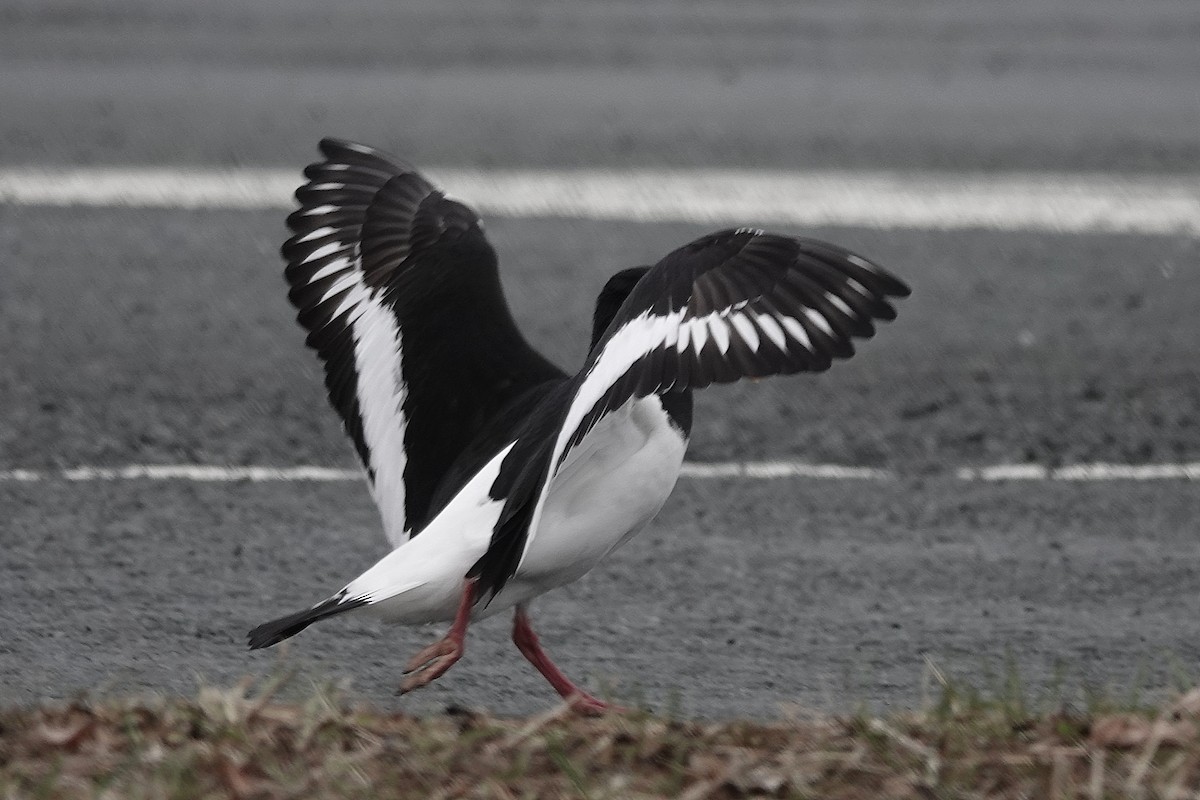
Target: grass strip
(242, 742)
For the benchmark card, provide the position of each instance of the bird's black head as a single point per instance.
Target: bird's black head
(612, 296)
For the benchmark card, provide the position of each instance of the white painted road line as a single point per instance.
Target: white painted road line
(769, 470)
(1082, 472)
(1148, 204)
(1005, 472)
(750, 470)
(202, 473)
(1129, 472)
(20, 475)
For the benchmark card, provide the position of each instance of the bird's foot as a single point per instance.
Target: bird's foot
(586, 705)
(431, 663)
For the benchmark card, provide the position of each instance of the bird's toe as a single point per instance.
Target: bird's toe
(586, 705)
(439, 649)
(430, 664)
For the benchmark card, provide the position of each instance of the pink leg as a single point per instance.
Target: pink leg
(433, 661)
(527, 642)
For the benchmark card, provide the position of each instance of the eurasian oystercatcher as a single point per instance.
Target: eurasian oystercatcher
(499, 476)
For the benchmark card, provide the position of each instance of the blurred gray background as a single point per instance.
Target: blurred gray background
(163, 336)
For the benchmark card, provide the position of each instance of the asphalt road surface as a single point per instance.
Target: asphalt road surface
(164, 336)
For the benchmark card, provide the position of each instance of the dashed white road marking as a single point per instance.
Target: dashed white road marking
(20, 475)
(1004, 472)
(746, 470)
(769, 470)
(1148, 204)
(202, 473)
(1082, 472)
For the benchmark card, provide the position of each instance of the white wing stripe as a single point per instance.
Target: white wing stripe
(858, 287)
(771, 328)
(684, 336)
(378, 356)
(631, 342)
(699, 333)
(646, 332)
(672, 336)
(862, 262)
(322, 251)
(819, 321)
(745, 329)
(337, 265)
(840, 304)
(350, 301)
(720, 332)
(316, 234)
(346, 281)
(797, 332)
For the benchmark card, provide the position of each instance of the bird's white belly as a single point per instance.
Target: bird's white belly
(611, 485)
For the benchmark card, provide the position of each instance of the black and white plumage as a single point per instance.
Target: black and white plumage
(498, 476)
(399, 292)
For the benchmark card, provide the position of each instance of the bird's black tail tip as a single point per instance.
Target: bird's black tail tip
(275, 631)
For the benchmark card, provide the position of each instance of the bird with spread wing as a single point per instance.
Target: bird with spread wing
(499, 476)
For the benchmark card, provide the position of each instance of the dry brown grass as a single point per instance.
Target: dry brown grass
(242, 744)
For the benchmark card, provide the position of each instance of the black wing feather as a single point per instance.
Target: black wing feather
(818, 295)
(372, 235)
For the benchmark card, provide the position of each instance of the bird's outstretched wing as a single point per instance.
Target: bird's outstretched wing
(733, 304)
(399, 291)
